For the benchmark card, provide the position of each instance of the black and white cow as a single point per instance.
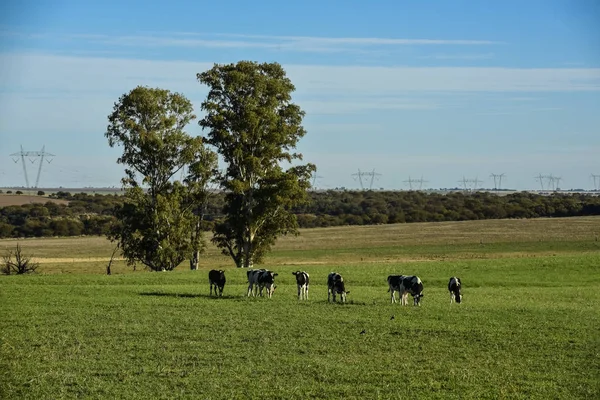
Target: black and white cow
(217, 279)
(454, 287)
(302, 280)
(259, 279)
(335, 285)
(253, 281)
(404, 285)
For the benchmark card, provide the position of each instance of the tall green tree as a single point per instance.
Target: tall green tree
(254, 126)
(159, 213)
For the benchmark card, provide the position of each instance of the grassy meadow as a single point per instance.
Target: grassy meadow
(529, 326)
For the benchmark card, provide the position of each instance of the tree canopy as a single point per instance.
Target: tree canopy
(254, 126)
(158, 214)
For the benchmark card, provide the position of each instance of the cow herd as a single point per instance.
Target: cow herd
(262, 279)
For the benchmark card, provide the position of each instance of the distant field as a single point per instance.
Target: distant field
(528, 327)
(20, 199)
(354, 245)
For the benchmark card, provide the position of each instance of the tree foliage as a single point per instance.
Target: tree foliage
(254, 126)
(155, 221)
(94, 214)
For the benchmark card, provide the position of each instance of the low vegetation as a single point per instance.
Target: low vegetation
(84, 214)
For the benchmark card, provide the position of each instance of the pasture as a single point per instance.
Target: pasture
(20, 199)
(528, 326)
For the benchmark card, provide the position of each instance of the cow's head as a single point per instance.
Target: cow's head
(458, 297)
(344, 294)
(268, 279)
(417, 298)
(340, 288)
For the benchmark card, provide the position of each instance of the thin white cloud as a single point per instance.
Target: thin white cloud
(523, 98)
(352, 107)
(366, 40)
(43, 72)
(486, 56)
(265, 42)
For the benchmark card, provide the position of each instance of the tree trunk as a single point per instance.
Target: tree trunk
(195, 260)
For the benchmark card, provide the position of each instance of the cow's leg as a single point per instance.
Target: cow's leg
(393, 299)
(329, 295)
(306, 294)
(299, 292)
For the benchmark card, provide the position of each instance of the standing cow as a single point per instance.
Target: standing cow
(404, 285)
(259, 279)
(216, 279)
(335, 285)
(302, 280)
(454, 287)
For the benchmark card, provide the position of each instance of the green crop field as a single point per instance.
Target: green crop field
(529, 326)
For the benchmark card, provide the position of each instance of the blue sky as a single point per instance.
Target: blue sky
(439, 89)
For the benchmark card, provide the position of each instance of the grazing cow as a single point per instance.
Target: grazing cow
(454, 286)
(335, 285)
(253, 281)
(404, 285)
(302, 280)
(258, 279)
(216, 279)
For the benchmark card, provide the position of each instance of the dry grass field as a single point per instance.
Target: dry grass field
(20, 199)
(352, 245)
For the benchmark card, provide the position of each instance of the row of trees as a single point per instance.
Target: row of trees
(251, 124)
(94, 215)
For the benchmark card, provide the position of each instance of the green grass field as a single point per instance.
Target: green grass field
(529, 326)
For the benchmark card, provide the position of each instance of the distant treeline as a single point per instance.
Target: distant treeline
(92, 214)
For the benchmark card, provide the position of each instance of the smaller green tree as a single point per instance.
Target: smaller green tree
(156, 218)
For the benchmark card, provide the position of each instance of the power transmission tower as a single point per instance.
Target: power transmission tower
(550, 179)
(497, 180)
(553, 181)
(596, 179)
(314, 179)
(468, 182)
(410, 182)
(476, 183)
(24, 154)
(360, 175)
(556, 180)
(540, 179)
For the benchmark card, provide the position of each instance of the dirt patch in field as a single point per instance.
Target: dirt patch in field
(20, 199)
